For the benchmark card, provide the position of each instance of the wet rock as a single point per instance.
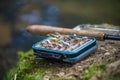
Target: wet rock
(104, 55)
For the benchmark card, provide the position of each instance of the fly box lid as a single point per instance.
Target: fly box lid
(67, 48)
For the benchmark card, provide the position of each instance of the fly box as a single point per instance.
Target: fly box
(67, 48)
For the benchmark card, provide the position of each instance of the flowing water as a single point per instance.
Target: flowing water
(15, 15)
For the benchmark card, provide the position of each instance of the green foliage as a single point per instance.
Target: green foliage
(92, 70)
(28, 68)
(26, 55)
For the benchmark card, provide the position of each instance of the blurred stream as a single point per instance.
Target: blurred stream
(15, 15)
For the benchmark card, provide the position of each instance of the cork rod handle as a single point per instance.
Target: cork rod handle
(43, 30)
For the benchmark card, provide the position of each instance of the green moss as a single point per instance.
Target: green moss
(26, 55)
(92, 70)
(28, 68)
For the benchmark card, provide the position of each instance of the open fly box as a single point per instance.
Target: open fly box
(67, 48)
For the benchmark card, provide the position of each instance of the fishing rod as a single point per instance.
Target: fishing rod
(44, 30)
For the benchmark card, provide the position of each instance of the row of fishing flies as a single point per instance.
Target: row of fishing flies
(62, 42)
